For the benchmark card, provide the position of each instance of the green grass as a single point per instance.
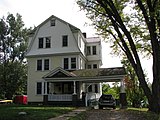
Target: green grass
(10, 112)
(139, 109)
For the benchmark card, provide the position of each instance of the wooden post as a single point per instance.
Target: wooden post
(74, 84)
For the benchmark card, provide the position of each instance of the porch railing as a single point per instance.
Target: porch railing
(59, 97)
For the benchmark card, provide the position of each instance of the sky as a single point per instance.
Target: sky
(34, 12)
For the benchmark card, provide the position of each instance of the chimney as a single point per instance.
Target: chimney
(84, 34)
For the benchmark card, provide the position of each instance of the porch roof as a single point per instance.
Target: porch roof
(100, 72)
(87, 75)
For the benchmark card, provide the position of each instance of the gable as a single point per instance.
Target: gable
(58, 73)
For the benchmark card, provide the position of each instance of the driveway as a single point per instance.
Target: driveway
(110, 114)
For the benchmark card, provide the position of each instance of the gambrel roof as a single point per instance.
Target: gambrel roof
(34, 32)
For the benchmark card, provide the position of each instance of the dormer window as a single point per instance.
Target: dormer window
(53, 22)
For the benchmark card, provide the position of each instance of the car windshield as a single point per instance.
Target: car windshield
(107, 97)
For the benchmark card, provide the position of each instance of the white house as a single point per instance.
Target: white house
(64, 65)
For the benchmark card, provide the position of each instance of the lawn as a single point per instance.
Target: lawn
(11, 112)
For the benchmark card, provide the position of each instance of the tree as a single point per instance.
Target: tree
(135, 94)
(114, 90)
(13, 45)
(136, 32)
(105, 88)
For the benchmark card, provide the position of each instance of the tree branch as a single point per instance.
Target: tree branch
(144, 12)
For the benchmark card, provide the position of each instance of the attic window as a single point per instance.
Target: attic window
(53, 22)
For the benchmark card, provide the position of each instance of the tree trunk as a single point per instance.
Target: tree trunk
(154, 105)
(155, 101)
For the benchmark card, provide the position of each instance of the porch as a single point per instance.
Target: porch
(69, 87)
(63, 100)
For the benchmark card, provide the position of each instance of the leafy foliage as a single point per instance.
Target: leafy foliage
(114, 90)
(13, 45)
(135, 94)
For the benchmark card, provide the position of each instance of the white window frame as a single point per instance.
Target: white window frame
(69, 62)
(43, 64)
(95, 49)
(41, 88)
(39, 42)
(44, 42)
(63, 39)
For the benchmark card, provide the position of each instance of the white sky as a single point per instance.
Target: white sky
(34, 12)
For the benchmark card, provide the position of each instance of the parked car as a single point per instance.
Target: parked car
(107, 100)
(6, 101)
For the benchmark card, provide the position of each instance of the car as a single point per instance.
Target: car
(6, 101)
(107, 100)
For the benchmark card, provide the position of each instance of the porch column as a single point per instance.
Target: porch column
(122, 95)
(74, 85)
(122, 88)
(45, 85)
(45, 96)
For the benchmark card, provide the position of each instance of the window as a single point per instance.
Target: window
(64, 40)
(88, 50)
(94, 50)
(39, 88)
(94, 66)
(70, 63)
(40, 43)
(89, 67)
(48, 42)
(73, 63)
(53, 22)
(39, 64)
(43, 64)
(46, 64)
(66, 65)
